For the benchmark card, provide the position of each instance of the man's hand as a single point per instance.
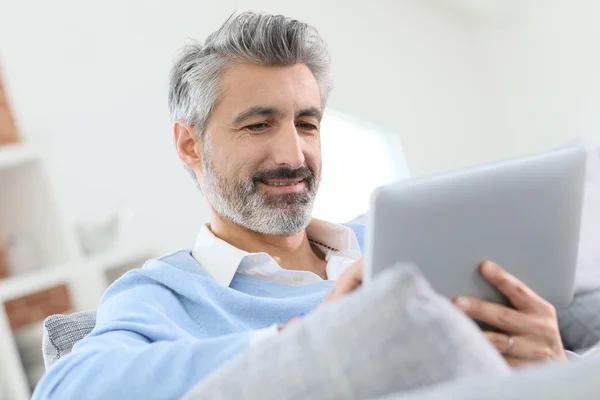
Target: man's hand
(347, 282)
(529, 333)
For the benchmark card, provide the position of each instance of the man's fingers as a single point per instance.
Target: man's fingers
(499, 316)
(347, 282)
(519, 294)
(519, 362)
(498, 340)
(352, 277)
(522, 348)
(516, 362)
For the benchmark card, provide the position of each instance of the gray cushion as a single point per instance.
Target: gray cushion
(61, 332)
(390, 337)
(572, 381)
(579, 324)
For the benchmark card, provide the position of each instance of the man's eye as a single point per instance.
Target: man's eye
(257, 127)
(306, 126)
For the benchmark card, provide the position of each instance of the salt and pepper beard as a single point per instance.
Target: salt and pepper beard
(271, 214)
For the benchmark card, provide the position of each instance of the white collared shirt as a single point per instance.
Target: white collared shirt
(221, 261)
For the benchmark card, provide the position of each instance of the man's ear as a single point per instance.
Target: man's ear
(188, 145)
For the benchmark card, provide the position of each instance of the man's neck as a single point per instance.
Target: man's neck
(293, 252)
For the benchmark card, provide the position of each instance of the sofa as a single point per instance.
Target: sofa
(574, 380)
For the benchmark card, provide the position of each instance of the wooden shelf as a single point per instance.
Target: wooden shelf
(13, 155)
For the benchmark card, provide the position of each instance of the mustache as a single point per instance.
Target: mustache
(284, 173)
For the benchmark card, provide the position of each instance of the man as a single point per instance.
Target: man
(247, 107)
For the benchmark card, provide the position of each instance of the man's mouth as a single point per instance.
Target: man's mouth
(282, 182)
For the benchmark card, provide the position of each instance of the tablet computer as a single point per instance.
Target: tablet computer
(523, 214)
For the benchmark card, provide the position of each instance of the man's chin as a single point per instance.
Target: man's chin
(286, 202)
(284, 221)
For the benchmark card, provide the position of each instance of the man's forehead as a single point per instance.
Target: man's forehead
(244, 86)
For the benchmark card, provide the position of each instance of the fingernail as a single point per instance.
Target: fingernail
(462, 303)
(490, 267)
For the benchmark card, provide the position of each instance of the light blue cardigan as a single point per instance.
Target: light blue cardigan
(163, 327)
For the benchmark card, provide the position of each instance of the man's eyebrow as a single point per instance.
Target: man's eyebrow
(310, 112)
(257, 110)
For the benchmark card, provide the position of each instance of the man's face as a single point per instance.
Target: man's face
(261, 150)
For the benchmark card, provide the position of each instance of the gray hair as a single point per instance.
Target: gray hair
(249, 37)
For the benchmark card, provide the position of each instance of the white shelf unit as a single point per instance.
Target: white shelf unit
(28, 206)
(16, 154)
(34, 281)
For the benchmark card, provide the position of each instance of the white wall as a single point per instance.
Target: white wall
(541, 74)
(461, 82)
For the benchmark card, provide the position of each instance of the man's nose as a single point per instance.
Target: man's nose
(288, 148)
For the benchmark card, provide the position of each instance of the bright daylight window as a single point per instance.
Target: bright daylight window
(357, 158)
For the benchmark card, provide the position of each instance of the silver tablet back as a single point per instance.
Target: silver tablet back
(524, 214)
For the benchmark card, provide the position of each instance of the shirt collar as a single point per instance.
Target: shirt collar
(221, 260)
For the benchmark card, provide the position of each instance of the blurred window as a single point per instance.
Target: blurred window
(357, 158)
